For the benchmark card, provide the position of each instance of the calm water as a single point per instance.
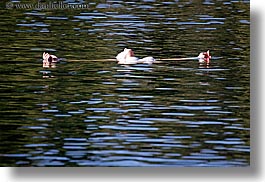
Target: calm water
(85, 112)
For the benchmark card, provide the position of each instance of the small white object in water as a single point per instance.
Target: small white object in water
(49, 58)
(49, 61)
(205, 55)
(127, 57)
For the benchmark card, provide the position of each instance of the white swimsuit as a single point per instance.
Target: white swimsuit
(121, 58)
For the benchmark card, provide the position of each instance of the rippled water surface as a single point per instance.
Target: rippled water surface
(91, 112)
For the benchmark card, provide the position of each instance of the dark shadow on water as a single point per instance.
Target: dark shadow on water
(254, 171)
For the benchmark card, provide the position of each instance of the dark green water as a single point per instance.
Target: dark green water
(85, 112)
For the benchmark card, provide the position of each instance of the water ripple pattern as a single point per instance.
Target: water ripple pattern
(85, 112)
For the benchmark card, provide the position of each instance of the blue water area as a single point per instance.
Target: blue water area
(88, 110)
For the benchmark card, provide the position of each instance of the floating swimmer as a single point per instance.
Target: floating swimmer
(127, 57)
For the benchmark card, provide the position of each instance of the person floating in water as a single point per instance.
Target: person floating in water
(127, 57)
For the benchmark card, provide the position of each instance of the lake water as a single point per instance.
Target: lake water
(87, 112)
